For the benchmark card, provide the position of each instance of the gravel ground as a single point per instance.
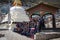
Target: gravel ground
(9, 35)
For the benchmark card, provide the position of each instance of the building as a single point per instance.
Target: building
(42, 8)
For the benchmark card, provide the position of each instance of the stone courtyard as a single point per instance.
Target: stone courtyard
(9, 35)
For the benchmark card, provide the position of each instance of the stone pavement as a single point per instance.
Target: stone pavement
(55, 39)
(48, 36)
(9, 35)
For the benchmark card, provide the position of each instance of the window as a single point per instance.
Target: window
(48, 21)
(36, 15)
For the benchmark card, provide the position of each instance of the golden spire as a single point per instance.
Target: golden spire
(17, 3)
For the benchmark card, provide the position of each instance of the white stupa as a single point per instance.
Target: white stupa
(17, 13)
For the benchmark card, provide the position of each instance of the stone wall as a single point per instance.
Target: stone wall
(47, 35)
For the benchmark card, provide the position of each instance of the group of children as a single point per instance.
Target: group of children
(27, 28)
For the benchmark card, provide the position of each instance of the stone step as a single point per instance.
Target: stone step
(47, 35)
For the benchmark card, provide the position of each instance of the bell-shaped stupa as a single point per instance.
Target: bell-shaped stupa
(17, 13)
